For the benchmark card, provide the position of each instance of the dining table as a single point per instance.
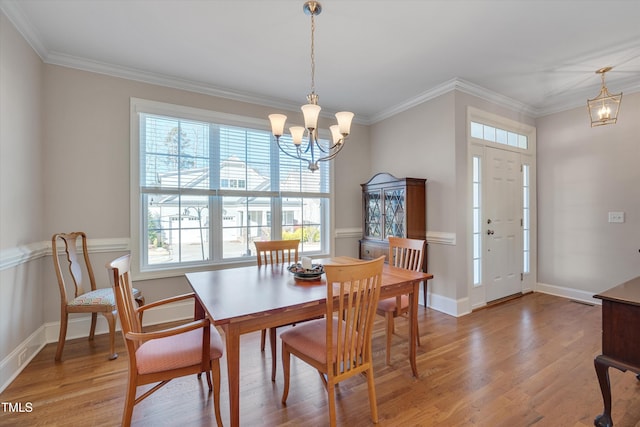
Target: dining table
(248, 299)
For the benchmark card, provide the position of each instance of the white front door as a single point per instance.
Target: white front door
(502, 224)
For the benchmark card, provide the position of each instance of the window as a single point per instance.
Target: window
(477, 221)
(526, 219)
(499, 136)
(211, 184)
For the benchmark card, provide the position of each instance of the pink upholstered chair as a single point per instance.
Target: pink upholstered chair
(91, 300)
(275, 252)
(407, 254)
(339, 345)
(160, 356)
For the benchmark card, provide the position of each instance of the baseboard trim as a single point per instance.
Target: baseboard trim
(78, 327)
(570, 293)
(447, 305)
(20, 357)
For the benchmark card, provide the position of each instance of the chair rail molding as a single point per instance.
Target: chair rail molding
(433, 237)
(348, 233)
(15, 256)
(441, 238)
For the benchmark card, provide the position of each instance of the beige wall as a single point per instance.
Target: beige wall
(21, 89)
(21, 189)
(584, 173)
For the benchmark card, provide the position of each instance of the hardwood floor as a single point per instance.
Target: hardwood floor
(524, 362)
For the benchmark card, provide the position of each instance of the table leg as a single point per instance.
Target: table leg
(424, 292)
(198, 310)
(232, 336)
(602, 370)
(413, 327)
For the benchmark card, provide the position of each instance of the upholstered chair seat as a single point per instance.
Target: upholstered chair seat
(390, 304)
(99, 297)
(311, 338)
(176, 351)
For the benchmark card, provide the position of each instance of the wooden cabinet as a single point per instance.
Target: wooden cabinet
(392, 207)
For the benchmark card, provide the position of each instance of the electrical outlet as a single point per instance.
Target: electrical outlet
(22, 357)
(617, 217)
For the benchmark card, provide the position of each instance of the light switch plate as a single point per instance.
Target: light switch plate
(617, 217)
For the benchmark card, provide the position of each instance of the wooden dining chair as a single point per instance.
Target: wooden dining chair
(339, 345)
(160, 356)
(407, 254)
(275, 252)
(84, 300)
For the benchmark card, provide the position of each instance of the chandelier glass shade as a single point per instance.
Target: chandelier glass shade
(311, 151)
(603, 109)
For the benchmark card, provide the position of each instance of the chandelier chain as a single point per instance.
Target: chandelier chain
(313, 56)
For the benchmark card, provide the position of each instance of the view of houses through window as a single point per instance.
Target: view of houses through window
(209, 190)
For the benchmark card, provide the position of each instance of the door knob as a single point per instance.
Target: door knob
(490, 232)
(489, 221)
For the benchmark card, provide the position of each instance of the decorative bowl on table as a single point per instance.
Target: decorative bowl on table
(302, 273)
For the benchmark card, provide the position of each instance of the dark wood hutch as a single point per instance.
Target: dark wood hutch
(392, 207)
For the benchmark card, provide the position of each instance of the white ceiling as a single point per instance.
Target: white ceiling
(373, 57)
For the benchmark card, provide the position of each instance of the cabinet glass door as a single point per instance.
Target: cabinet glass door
(394, 212)
(373, 214)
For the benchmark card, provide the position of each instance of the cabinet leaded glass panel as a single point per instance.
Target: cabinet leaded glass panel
(394, 207)
(373, 226)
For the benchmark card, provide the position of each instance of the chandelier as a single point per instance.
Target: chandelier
(603, 109)
(312, 151)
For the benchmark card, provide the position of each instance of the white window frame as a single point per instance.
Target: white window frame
(137, 241)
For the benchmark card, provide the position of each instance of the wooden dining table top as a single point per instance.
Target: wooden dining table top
(231, 295)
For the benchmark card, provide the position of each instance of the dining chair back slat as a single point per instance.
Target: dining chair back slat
(277, 252)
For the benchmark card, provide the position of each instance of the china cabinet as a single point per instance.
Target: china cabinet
(392, 207)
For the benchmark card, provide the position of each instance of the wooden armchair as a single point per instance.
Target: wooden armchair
(407, 254)
(160, 356)
(275, 252)
(91, 300)
(339, 345)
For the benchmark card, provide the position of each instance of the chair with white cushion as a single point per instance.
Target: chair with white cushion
(86, 297)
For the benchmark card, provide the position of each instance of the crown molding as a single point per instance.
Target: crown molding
(462, 86)
(24, 27)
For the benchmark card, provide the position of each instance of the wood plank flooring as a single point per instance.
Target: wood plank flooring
(524, 362)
